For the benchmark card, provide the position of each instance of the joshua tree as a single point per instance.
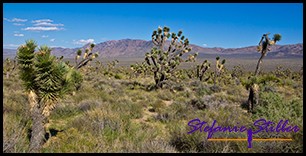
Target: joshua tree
(201, 69)
(237, 72)
(263, 47)
(219, 69)
(46, 80)
(9, 67)
(163, 62)
(87, 57)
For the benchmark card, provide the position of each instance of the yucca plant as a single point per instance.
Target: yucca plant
(263, 47)
(46, 80)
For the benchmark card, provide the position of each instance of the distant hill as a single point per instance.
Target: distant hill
(138, 48)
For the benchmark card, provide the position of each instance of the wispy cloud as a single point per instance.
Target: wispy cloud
(15, 20)
(52, 40)
(43, 29)
(83, 42)
(18, 20)
(11, 45)
(42, 20)
(48, 24)
(44, 36)
(19, 35)
(44, 25)
(205, 45)
(18, 24)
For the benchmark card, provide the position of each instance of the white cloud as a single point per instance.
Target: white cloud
(205, 45)
(18, 24)
(83, 42)
(52, 40)
(15, 20)
(42, 20)
(19, 35)
(18, 20)
(11, 45)
(44, 36)
(48, 24)
(43, 28)
(44, 25)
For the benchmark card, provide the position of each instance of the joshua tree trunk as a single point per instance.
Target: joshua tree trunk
(38, 131)
(254, 89)
(215, 77)
(159, 81)
(38, 119)
(258, 64)
(253, 97)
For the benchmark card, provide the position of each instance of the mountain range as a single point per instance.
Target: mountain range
(135, 48)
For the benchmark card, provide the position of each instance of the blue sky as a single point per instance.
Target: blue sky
(229, 25)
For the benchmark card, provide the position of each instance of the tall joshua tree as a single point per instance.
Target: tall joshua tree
(163, 62)
(263, 47)
(46, 80)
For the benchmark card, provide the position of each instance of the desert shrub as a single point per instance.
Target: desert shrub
(215, 89)
(157, 146)
(198, 103)
(64, 111)
(118, 76)
(86, 105)
(98, 120)
(15, 134)
(202, 90)
(126, 107)
(273, 107)
(72, 140)
(164, 95)
(158, 105)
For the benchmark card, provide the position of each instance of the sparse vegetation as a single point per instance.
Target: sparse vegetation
(118, 109)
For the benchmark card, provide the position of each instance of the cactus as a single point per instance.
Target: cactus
(263, 48)
(47, 80)
(8, 67)
(201, 69)
(87, 57)
(163, 63)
